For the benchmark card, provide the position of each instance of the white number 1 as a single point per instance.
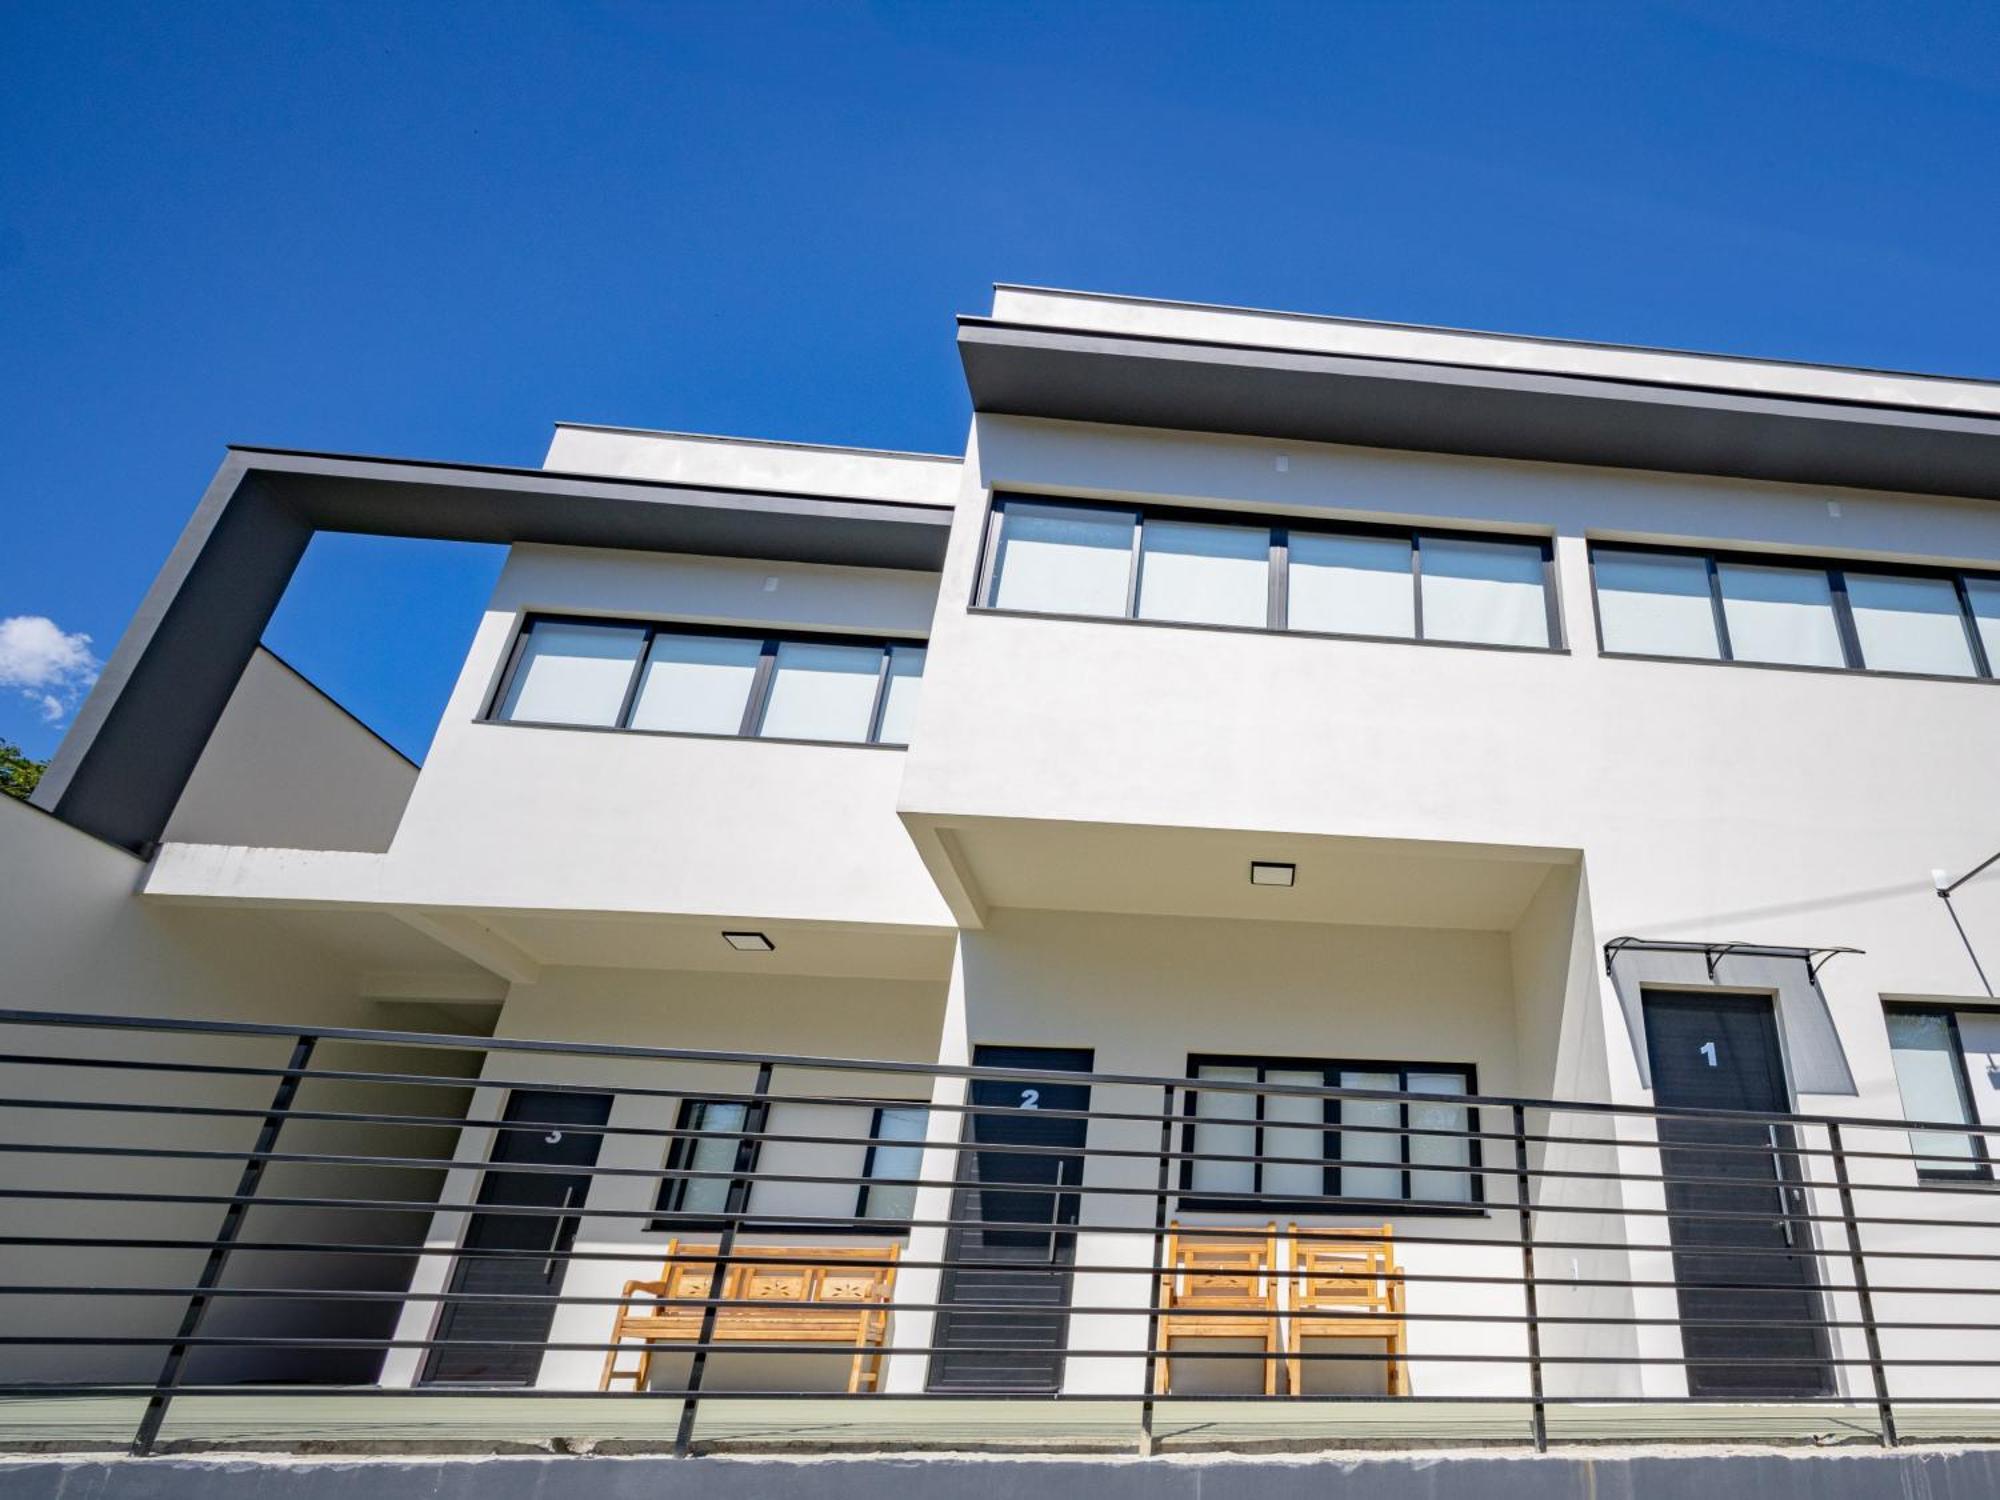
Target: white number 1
(1708, 1051)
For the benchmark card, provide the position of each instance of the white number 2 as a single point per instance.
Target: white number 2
(1708, 1051)
(1031, 1098)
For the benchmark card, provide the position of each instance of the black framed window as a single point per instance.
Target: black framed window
(691, 679)
(709, 1132)
(1694, 605)
(1099, 560)
(1928, 1050)
(893, 1164)
(1249, 1151)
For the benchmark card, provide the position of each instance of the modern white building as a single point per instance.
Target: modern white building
(1271, 733)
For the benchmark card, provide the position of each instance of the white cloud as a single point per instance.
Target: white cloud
(51, 667)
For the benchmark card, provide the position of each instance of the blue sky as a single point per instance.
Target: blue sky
(432, 230)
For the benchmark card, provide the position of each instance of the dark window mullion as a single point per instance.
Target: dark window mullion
(1843, 618)
(631, 698)
(881, 696)
(1403, 1119)
(1417, 585)
(1329, 1118)
(760, 690)
(868, 1163)
(1257, 1135)
(1138, 561)
(1970, 622)
(1551, 608)
(1277, 608)
(1728, 652)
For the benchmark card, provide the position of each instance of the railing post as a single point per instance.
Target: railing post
(733, 1207)
(218, 1254)
(1153, 1278)
(1541, 1415)
(1884, 1409)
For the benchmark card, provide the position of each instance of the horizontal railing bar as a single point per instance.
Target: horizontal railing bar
(848, 1305)
(1063, 1398)
(664, 1173)
(775, 1346)
(796, 1223)
(632, 1051)
(750, 1255)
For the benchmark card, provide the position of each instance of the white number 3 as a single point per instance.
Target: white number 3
(1708, 1051)
(1031, 1098)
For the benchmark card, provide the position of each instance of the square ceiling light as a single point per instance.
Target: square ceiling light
(749, 942)
(1269, 872)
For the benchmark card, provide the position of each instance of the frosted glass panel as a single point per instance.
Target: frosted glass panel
(1359, 1179)
(1985, 593)
(1927, 1066)
(1225, 1125)
(1213, 575)
(822, 692)
(894, 1167)
(1351, 585)
(1489, 592)
(1436, 1151)
(709, 1153)
(1909, 624)
(697, 683)
(1294, 1126)
(1655, 603)
(906, 681)
(573, 674)
(1063, 560)
(1780, 615)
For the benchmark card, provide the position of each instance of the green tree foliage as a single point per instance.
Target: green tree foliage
(18, 774)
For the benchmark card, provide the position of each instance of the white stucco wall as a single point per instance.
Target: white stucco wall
(518, 816)
(74, 939)
(287, 768)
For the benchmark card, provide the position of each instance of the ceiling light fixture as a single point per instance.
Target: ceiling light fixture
(749, 942)
(1268, 872)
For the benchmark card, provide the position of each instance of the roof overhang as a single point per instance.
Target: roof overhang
(122, 766)
(1147, 380)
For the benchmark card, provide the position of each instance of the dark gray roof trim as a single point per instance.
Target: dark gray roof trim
(1018, 370)
(123, 764)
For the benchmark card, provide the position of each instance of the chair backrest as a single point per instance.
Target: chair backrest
(1237, 1272)
(787, 1273)
(1350, 1269)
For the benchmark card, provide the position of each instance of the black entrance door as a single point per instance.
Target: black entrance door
(535, 1244)
(1015, 1253)
(1721, 1052)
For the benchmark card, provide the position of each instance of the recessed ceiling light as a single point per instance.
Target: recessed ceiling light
(1264, 872)
(749, 942)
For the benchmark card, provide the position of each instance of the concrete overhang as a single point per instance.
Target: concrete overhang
(1071, 357)
(121, 768)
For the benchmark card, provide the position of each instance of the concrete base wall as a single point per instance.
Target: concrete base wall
(1953, 1475)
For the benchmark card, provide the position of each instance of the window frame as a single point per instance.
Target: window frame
(755, 702)
(672, 1191)
(1190, 1201)
(1836, 571)
(1980, 1168)
(922, 1107)
(1279, 530)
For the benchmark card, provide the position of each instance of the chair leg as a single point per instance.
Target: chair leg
(1395, 1365)
(1271, 1359)
(1294, 1366)
(1162, 1359)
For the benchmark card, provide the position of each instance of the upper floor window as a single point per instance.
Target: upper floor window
(1928, 1049)
(1256, 1152)
(718, 1142)
(1204, 568)
(1718, 606)
(687, 679)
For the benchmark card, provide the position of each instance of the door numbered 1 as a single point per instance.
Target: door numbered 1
(1707, 1050)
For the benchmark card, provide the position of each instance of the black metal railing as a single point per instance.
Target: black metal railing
(196, 1209)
